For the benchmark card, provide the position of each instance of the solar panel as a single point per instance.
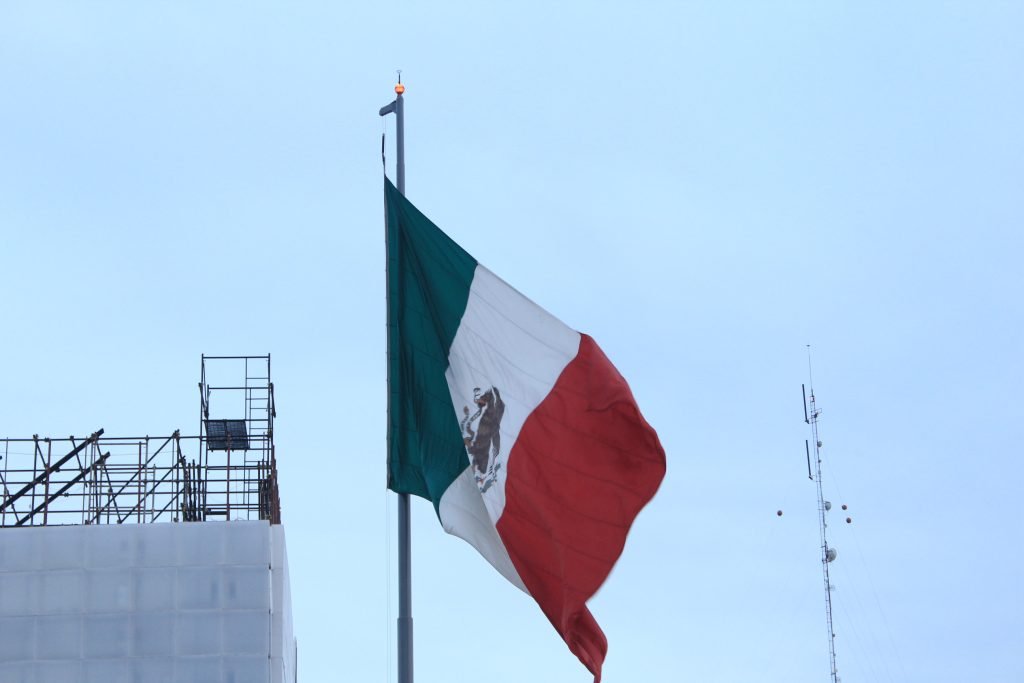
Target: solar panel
(222, 435)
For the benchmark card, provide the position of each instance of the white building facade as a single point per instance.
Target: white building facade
(195, 602)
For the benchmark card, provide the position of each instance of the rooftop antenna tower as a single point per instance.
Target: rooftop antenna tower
(828, 553)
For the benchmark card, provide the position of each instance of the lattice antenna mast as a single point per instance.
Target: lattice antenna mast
(828, 554)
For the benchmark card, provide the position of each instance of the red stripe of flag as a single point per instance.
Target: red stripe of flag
(584, 465)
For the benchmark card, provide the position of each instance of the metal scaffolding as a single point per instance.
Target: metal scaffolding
(228, 471)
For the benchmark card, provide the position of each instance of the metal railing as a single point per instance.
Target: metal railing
(122, 480)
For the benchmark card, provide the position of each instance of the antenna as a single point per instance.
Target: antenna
(807, 447)
(828, 554)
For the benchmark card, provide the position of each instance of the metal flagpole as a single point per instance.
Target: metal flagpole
(404, 520)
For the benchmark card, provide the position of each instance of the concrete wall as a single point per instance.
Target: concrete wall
(154, 603)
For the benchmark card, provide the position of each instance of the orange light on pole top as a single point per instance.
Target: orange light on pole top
(399, 88)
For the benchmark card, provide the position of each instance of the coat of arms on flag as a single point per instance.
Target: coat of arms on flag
(481, 432)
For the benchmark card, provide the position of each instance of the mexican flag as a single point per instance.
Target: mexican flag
(520, 431)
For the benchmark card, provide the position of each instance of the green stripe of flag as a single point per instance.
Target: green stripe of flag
(429, 277)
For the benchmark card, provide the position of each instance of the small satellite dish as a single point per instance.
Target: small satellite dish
(828, 506)
(831, 555)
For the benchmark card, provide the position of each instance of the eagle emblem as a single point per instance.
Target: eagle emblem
(481, 433)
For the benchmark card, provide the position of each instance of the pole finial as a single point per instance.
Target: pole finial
(399, 88)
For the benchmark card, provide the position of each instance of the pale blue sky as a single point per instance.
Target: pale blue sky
(703, 187)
